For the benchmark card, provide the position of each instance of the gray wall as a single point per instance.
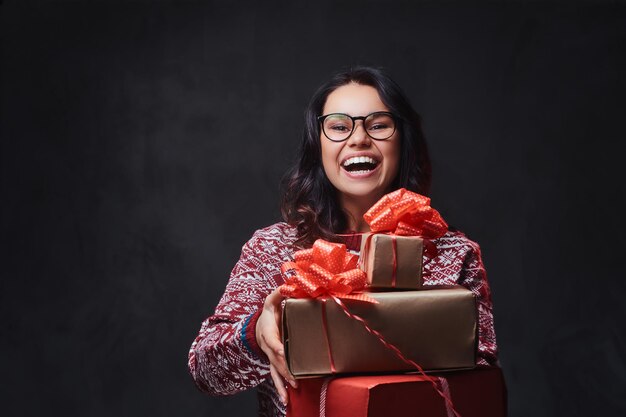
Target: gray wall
(142, 144)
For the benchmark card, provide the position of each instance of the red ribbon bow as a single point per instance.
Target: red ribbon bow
(327, 269)
(405, 213)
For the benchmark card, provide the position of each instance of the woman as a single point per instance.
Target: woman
(362, 139)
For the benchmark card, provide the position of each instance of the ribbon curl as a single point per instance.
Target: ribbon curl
(326, 269)
(405, 213)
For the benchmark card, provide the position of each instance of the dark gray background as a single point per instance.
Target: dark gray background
(143, 143)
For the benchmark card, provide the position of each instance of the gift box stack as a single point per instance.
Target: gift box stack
(352, 325)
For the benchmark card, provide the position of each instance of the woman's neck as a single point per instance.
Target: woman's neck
(355, 208)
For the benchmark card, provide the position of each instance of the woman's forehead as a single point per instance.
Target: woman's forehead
(355, 100)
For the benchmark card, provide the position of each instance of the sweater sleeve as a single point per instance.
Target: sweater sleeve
(474, 277)
(224, 358)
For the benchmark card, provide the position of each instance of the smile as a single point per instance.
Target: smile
(360, 166)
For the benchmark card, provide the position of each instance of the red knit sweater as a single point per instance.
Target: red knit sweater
(225, 358)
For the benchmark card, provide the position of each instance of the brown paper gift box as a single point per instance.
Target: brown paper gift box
(379, 261)
(435, 328)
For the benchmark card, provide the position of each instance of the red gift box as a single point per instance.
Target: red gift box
(476, 393)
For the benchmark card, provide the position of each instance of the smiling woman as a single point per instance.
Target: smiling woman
(360, 167)
(362, 139)
(358, 113)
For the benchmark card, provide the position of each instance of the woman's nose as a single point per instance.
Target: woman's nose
(359, 137)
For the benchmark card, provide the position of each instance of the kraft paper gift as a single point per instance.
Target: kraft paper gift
(436, 328)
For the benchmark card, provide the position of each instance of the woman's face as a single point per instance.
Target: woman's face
(366, 181)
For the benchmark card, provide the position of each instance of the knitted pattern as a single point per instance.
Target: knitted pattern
(225, 358)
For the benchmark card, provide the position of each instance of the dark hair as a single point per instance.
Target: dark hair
(309, 200)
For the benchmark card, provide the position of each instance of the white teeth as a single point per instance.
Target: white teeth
(359, 160)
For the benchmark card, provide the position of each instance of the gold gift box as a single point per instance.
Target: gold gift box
(379, 261)
(437, 328)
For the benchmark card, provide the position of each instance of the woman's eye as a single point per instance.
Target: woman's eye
(378, 126)
(339, 128)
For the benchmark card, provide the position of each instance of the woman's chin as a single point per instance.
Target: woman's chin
(363, 191)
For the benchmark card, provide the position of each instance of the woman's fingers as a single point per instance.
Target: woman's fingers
(277, 359)
(268, 338)
(279, 384)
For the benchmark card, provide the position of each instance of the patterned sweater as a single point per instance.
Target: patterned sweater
(225, 358)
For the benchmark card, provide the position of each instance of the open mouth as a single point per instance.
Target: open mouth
(360, 164)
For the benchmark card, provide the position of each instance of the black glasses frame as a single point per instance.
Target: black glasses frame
(321, 119)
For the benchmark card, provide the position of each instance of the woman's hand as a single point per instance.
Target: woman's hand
(268, 339)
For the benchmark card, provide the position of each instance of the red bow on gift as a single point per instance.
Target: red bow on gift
(405, 213)
(327, 269)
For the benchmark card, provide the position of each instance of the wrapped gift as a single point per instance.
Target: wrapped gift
(436, 328)
(476, 393)
(400, 222)
(392, 261)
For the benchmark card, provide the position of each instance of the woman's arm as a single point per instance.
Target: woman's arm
(225, 358)
(474, 277)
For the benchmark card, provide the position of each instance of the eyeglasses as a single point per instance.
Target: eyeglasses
(339, 127)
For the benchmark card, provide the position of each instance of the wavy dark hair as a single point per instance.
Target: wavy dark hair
(309, 200)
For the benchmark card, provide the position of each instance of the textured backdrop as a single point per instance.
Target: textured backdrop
(143, 142)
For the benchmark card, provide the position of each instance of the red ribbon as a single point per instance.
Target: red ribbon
(405, 213)
(327, 269)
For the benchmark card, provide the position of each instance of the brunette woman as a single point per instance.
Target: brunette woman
(362, 139)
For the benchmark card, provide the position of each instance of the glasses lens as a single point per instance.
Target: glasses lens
(337, 126)
(380, 125)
